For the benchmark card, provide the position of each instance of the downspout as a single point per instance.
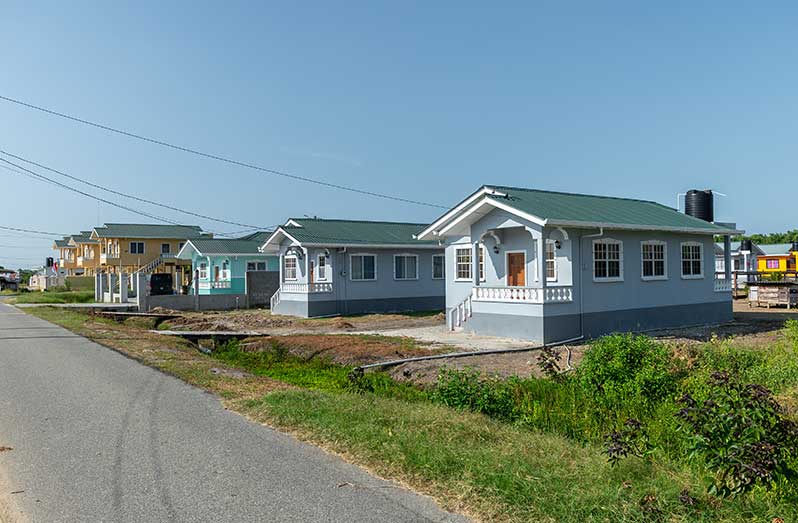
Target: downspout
(581, 278)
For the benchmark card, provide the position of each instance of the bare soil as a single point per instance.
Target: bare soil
(361, 340)
(347, 349)
(263, 321)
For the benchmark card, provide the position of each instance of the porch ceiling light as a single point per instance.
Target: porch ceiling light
(557, 243)
(495, 249)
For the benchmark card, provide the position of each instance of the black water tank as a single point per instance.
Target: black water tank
(700, 204)
(745, 245)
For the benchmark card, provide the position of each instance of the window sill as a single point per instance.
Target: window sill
(405, 279)
(654, 278)
(692, 276)
(371, 279)
(607, 280)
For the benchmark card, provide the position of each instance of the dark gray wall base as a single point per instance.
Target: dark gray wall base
(506, 325)
(635, 320)
(203, 302)
(335, 307)
(552, 329)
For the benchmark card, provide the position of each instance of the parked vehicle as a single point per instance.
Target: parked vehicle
(161, 284)
(9, 280)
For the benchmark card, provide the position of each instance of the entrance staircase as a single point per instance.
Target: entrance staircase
(459, 314)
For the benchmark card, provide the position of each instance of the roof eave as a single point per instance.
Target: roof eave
(637, 227)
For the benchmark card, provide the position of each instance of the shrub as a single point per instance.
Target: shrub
(625, 366)
(469, 390)
(630, 440)
(742, 436)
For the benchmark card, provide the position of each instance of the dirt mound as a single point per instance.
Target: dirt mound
(344, 349)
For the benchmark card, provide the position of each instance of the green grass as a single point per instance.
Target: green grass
(80, 283)
(316, 374)
(499, 471)
(56, 297)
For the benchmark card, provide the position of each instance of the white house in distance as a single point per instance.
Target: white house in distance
(552, 266)
(330, 267)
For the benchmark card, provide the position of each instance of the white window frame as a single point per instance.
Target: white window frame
(443, 266)
(700, 258)
(553, 244)
(405, 255)
(168, 248)
(319, 276)
(470, 250)
(285, 267)
(507, 267)
(143, 248)
(203, 270)
(664, 260)
(607, 279)
(363, 254)
(224, 274)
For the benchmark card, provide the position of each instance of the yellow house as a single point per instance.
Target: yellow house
(148, 248)
(67, 256)
(87, 252)
(781, 258)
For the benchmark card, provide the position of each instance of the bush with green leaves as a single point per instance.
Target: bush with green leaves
(741, 434)
(620, 367)
(469, 390)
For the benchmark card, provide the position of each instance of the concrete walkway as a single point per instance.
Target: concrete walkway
(440, 334)
(99, 437)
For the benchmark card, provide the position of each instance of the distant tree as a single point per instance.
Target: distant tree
(771, 238)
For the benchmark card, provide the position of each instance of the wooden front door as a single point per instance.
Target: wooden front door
(216, 273)
(516, 269)
(311, 272)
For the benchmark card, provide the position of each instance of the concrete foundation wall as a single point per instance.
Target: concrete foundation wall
(261, 286)
(550, 329)
(182, 302)
(316, 308)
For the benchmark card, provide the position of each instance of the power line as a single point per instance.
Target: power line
(7, 228)
(125, 195)
(42, 177)
(221, 158)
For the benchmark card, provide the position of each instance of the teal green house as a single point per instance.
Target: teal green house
(220, 266)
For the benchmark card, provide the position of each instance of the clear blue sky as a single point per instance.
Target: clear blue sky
(419, 100)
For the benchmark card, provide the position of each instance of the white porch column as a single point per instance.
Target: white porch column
(727, 266)
(475, 263)
(541, 262)
(535, 251)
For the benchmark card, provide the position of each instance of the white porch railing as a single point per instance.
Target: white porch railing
(275, 299)
(459, 315)
(523, 294)
(220, 284)
(305, 288)
(723, 285)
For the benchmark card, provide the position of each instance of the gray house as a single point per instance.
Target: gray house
(330, 267)
(552, 266)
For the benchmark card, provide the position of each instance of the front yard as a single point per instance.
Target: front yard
(517, 450)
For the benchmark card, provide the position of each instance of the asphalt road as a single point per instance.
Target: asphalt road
(99, 437)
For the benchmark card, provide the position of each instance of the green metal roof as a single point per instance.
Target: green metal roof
(560, 208)
(354, 232)
(775, 249)
(62, 243)
(148, 230)
(259, 236)
(83, 237)
(226, 246)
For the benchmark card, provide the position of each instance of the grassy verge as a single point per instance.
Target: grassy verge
(56, 297)
(471, 463)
